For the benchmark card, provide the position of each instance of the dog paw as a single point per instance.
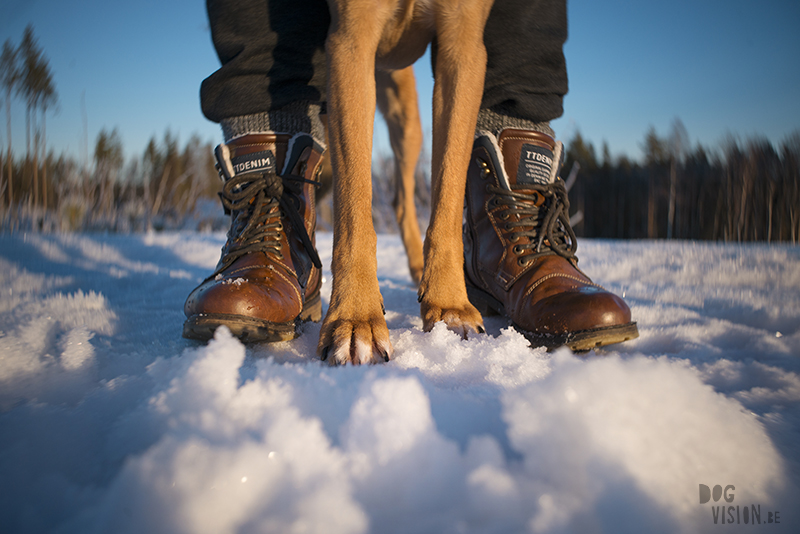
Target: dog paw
(353, 341)
(460, 319)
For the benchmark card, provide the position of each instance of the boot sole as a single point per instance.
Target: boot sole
(250, 330)
(580, 341)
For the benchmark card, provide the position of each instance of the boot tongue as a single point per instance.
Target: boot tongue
(529, 157)
(535, 165)
(252, 153)
(260, 162)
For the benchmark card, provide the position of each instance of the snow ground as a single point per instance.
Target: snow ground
(111, 422)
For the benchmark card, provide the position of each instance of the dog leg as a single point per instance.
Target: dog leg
(354, 329)
(460, 69)
(397, 101)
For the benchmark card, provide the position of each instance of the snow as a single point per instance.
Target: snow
(111, 422)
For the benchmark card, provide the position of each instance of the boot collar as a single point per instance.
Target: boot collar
(270, 152)
(523, 156)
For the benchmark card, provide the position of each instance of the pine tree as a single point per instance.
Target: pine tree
(108, 161)
(656, 154)
(10, 79)
(48, 99)
(38, 90)
(678, 146)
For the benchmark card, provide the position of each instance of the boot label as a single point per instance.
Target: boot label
(535, 164)
(263, 161)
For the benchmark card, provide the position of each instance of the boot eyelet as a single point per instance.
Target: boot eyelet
(523, 262)
(517, 250)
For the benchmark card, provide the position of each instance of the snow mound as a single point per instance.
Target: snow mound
(611, 437)
(111, 422)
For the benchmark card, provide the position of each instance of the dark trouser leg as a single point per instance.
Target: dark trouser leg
(526, 74)
(273, 57)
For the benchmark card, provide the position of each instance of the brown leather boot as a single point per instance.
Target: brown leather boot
(519, 248)
(268, 279)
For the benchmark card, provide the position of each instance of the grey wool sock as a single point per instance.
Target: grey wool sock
(495, 121)
(294, 118)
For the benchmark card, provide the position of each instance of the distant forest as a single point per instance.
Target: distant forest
(741, 191)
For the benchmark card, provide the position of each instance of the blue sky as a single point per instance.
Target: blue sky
(722, 67)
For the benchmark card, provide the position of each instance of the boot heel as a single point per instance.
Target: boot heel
(485, 303)
(312, 310)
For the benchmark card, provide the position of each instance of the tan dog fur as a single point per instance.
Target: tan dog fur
(366, 35)
(397, 100)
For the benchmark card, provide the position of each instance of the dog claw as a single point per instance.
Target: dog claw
(460, 319)
(345, 342)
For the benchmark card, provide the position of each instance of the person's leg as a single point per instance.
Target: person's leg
(267, 96)
(519, 247)
(526, 74)
(272, 76)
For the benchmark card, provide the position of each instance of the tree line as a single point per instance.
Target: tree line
(25, 73)
(168, 186)
(743, 191)
(42, 191)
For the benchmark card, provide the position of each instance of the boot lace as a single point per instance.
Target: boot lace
(541, 230)
(256, 202)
